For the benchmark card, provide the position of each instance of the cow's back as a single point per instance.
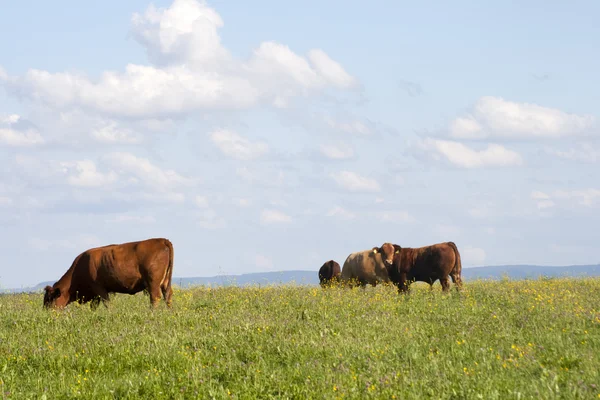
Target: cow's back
(435, 260)
(364, 266)
(125, 267)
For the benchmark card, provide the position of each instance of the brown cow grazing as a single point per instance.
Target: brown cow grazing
(329, 273)
(426, 264)
(368, 266)
(116, 268)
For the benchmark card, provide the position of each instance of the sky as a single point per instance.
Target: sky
(278, 135)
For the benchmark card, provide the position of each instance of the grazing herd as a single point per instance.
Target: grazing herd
(147, 265)
(398, 265)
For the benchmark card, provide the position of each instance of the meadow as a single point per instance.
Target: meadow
(530, 339)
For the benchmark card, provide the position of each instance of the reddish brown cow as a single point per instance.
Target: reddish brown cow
(116, 268)
(329, 273)
(425, 264)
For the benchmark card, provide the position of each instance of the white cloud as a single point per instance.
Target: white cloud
(348, 126)
(274, 217)
(354, 182)
(584, 153)
(330, 69)
(141, 169)
(233, 145)
(10, 135)
(193, 72)
(493, 155)
(84, 173)
(111, 133)
(187, 31)
(339, 152)
(494, 117)
(341, 213)
(472, 256)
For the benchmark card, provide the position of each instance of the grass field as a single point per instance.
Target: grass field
(537, 339)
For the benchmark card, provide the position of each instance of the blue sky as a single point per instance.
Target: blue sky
(277, 136)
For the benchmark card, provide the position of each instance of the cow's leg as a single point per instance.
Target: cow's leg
(154, 291)
(101, 296)
(457, 280)
(167, 294)
(445, 281)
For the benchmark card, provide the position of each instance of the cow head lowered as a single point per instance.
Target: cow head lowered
(387, 251)
(52, 297)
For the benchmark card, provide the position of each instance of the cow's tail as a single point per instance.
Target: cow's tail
(166, 283)
(456, 272)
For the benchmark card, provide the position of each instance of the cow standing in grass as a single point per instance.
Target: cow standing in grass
(368, 267)
(426, 264)
(116, 268)
(329, 273)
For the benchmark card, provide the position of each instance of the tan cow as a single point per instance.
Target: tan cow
(116, 268)
(368, 266)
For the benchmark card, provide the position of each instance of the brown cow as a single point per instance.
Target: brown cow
(426, 264)
(116, 268)
(368, 266)
(329, 273)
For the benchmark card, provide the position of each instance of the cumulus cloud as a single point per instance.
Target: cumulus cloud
(337, 152)
(112, 133)
(458, 154)
(270, 216)
(495, 117)
(354, 182)
(141, 170)
(85, 174)
(192, 71)
(12, 135)
(233, 145)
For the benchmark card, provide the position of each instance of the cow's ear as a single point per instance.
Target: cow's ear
(375, 250)
(397, 249)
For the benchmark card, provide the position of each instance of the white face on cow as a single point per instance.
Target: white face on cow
(387, 251)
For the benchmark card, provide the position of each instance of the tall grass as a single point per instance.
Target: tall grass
(536, 339)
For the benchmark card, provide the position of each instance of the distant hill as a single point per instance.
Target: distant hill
(515, 272)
